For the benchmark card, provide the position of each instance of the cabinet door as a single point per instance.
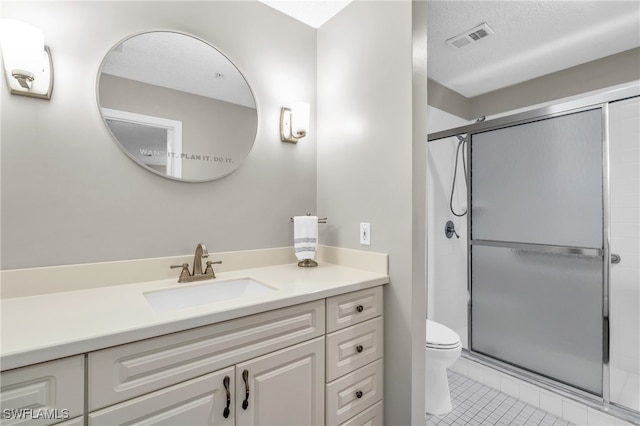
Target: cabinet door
(283, 388)
(197, 402)
(43, 394)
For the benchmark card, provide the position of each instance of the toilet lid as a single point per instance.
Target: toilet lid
(441, 336)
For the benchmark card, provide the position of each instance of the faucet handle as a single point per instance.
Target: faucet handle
(184, 273)
(209, 269)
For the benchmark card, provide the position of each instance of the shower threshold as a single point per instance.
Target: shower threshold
(560, 389)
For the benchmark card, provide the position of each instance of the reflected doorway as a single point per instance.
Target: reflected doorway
(154, 141)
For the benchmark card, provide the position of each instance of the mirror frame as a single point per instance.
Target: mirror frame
(128, 153)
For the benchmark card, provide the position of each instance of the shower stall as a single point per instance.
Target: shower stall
(550, 218)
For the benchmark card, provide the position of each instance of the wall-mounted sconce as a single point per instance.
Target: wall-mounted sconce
(294, 122)
(27, 61)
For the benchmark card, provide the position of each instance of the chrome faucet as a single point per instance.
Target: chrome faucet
(197, 274)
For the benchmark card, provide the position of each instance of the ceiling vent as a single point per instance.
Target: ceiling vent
(481, 31)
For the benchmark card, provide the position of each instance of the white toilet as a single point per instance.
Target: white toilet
(443, 348)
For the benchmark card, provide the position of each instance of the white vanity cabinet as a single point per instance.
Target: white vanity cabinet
(180, 378)
(314, 363)
(43, 394)
(354, 348)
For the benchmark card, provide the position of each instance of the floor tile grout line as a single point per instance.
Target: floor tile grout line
(477, 404)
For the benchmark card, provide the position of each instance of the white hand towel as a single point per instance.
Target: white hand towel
(305, 236)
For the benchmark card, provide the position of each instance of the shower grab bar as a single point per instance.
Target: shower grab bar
(540, 247)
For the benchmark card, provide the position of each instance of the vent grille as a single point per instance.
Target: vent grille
(470, 36)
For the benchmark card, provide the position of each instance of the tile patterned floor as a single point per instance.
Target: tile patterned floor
(475, 404)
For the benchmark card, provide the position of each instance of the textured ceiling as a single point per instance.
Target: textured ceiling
(180, 62)
(531, 39)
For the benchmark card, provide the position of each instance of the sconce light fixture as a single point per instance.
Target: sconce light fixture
(294, 122)
(27, 61)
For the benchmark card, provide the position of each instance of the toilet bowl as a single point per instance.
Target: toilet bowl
(443, 348)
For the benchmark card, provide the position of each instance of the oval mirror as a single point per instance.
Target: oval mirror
(177, 106)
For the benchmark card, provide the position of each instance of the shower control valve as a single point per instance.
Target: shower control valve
(450, 230)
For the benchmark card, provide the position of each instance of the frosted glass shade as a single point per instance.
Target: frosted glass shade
(300, 118)
(22, 47)
(27, 60)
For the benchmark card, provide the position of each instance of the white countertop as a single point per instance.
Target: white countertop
(49, 326)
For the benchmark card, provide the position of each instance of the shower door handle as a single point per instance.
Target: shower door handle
(615, 258)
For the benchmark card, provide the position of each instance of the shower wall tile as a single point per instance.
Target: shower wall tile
(630, 395)
(476, 372)
(630, 202)
(574, 412)
(629, 180)
(628, 244)
(510, 386)
(530, 394)
(629, 364)
(551, 402)
(492, 377)
(621, 230)
(598, 418)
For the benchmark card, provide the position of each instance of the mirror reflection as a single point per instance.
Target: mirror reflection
(177, 106)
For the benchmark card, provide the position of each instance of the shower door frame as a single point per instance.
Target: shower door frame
(600, 101)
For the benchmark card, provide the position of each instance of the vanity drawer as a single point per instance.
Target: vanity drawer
(43, 394)
(124, 372)
(353, 308)
(353, 347)
(195, 402)
(372, 416)
(354, 392)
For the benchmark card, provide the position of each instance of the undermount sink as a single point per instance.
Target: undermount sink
(200, 294)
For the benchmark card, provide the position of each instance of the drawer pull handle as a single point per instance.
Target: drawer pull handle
(245, 377)
(359, 394)
(226, 411)
(359, 308)
(359, 348)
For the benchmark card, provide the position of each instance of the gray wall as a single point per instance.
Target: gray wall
(371, 168)
(69, 195)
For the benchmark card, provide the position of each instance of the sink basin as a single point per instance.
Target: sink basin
(200, 294)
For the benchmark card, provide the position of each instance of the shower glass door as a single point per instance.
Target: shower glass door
(537, 247)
